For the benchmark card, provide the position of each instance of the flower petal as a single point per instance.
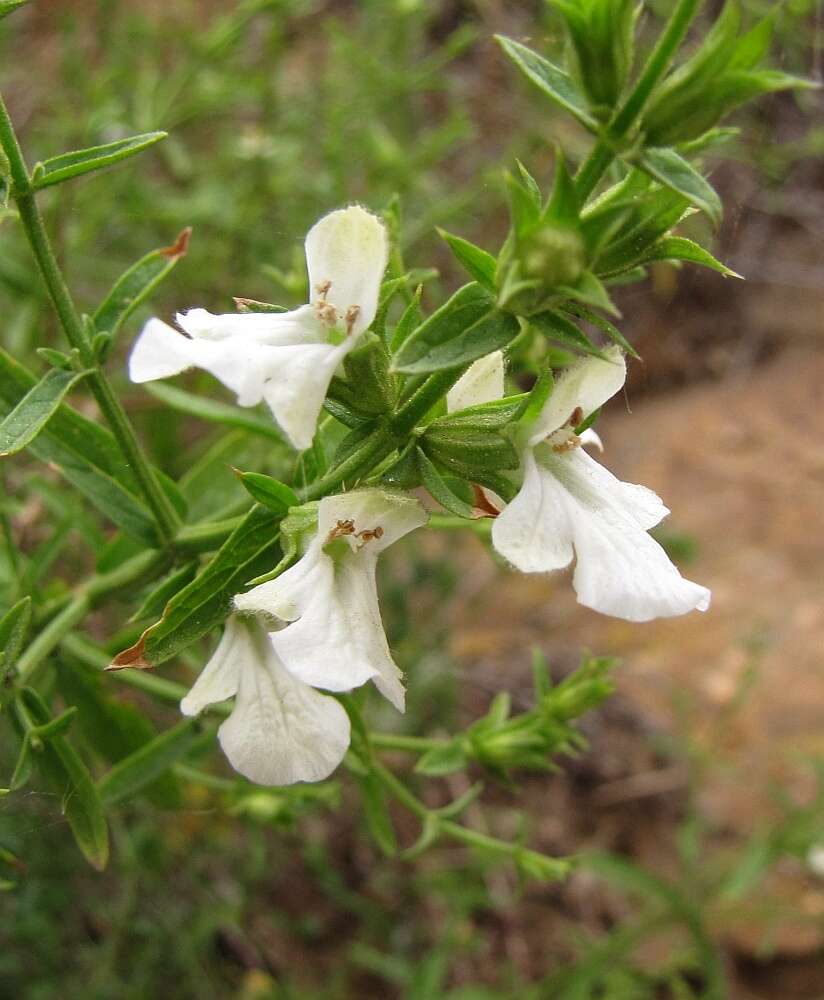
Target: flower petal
(482, 382)
(296, 380)
(533, 531)
(299, 326)
(349, 249)
(159, 352)
(338, 643)
(219, 679)
(281, 731)
(620, 569)
(587, 384)
(250, 364)
(394, 514)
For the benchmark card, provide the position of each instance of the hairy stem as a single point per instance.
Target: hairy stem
(32, 221)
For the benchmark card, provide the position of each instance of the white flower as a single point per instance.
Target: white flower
(286, 359)
(570, 506)
(280, 730)
(336, 639)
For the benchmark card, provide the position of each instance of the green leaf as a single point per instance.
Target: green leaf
(111, 728)
(554, 82)
(680, 248)
(465, 328)
(137, 283)
(470, 454)
(557, 327)
(563, 208)
(530, 184)
(409, 321)
(522, 207)
(440, 489)
(376, 813)
(674, 172)
(480, 264)
(443, 760)
(35, 410)
(67, 774)
(14, 626)
(272, 493)
(143, 767)
(83, 161)
(160, 595)
(86, 454)
(251, 549)
(589, 290)
(612, 331)
(214, 411)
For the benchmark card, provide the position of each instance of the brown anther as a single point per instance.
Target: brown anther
(341, 530)
(570, 444)
(368, 534)
(323, 289)
(326, 312)
(575, 417)
(351, 317)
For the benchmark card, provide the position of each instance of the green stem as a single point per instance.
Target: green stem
(556, 867)
(32, 222)
(603, 153)
(96, 589)
(412, 744)
(374, 450)
(423, 399)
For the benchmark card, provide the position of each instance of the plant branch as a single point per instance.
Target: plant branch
(603, 153)
(32, 221)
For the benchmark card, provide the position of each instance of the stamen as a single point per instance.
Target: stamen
(367, 535)
(568, 444)
(352, 314)
(341, 530)
(323, 289)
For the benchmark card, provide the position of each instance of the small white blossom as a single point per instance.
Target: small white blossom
(286, 359)
(336, 639)
(569, 506)
(280, 730)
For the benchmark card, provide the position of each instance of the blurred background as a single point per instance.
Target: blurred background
(704, 774)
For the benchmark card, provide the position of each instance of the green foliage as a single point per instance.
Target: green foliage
(83, 161)
(239, 152)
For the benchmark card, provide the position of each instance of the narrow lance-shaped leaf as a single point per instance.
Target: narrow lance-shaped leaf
(465, 328)
(112, 728)
(137, 283)
(35, 409)
(214, 411)
(87, 455)
(551, 80)
(146, 765)
(251, 549)
(69, 777)
(272, 493)
(13, 628)
(556, 327)
(82, 161)
(441, 490)
(680, 248)
(674, 172)
(480, 264)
